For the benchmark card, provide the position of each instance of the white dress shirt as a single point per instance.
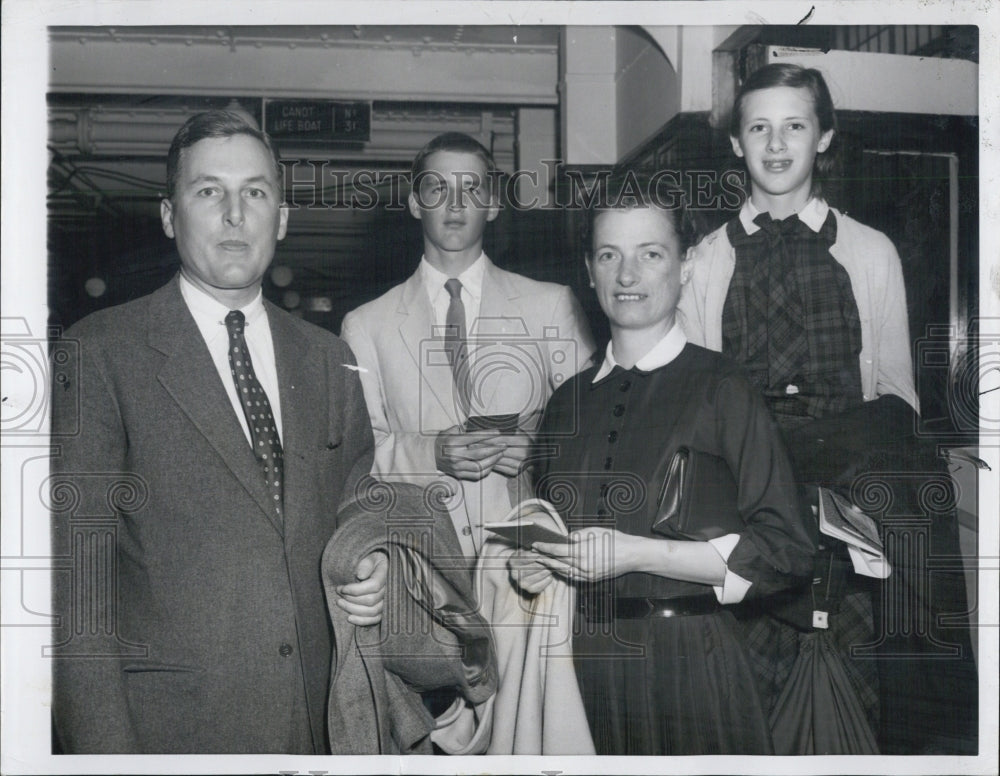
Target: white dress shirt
(472, 292)
(734, 587)
(210, 315)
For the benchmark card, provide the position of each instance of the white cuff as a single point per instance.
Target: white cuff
(734, 587)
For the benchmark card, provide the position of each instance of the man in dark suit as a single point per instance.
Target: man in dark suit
(194, 502)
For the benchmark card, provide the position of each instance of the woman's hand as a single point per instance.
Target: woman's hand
(595, 553)
(600, 553)
(527, 572)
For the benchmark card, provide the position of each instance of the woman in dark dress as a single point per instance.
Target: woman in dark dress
(658, 656)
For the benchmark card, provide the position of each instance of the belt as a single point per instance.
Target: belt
(640, 608)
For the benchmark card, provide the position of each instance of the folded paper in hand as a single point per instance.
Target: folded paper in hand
(841, 520)
(698, 499)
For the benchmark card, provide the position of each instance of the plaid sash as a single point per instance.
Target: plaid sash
(791, 320)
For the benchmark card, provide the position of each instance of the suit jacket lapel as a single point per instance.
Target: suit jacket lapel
(497, 294)
(302, 385)
(500, 319)
(416, 331)
(190, 377)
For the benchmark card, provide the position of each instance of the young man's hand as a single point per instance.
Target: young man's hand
(516, 449)
(467, 456)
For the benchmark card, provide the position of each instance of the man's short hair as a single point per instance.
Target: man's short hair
(215, 123)
(456, 142)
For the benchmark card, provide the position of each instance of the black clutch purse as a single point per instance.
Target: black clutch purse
(698, 498)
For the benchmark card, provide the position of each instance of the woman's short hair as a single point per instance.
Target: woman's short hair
(214, 124)
(630, 189)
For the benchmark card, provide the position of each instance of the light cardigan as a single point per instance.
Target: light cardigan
(873, 266)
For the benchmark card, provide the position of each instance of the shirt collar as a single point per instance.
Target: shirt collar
(472, 278)
(661, 354)
(209, 311)
(812, 215)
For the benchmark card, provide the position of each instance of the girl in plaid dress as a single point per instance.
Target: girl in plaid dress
(810, 301)
(812, 304)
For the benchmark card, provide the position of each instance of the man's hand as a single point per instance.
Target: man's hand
(467, 456)
(363, 600)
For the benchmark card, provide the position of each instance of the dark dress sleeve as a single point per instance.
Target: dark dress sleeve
(776, 549)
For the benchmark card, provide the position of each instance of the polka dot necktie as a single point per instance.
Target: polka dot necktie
(455, 343)
(256, 410)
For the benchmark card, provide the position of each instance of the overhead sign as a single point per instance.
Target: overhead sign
(318, 120)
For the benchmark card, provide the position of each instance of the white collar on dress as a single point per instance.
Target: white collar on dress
(661, 354)
(812, 215)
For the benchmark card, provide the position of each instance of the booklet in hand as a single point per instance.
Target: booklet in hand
(520, 529)
(842, 520)
(524, 533)
(505, 423)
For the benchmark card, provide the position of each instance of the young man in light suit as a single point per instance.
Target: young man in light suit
(517, 340)
(192, 611)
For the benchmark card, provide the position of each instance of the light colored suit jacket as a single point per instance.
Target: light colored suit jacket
(193, 619)
(530, 337)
